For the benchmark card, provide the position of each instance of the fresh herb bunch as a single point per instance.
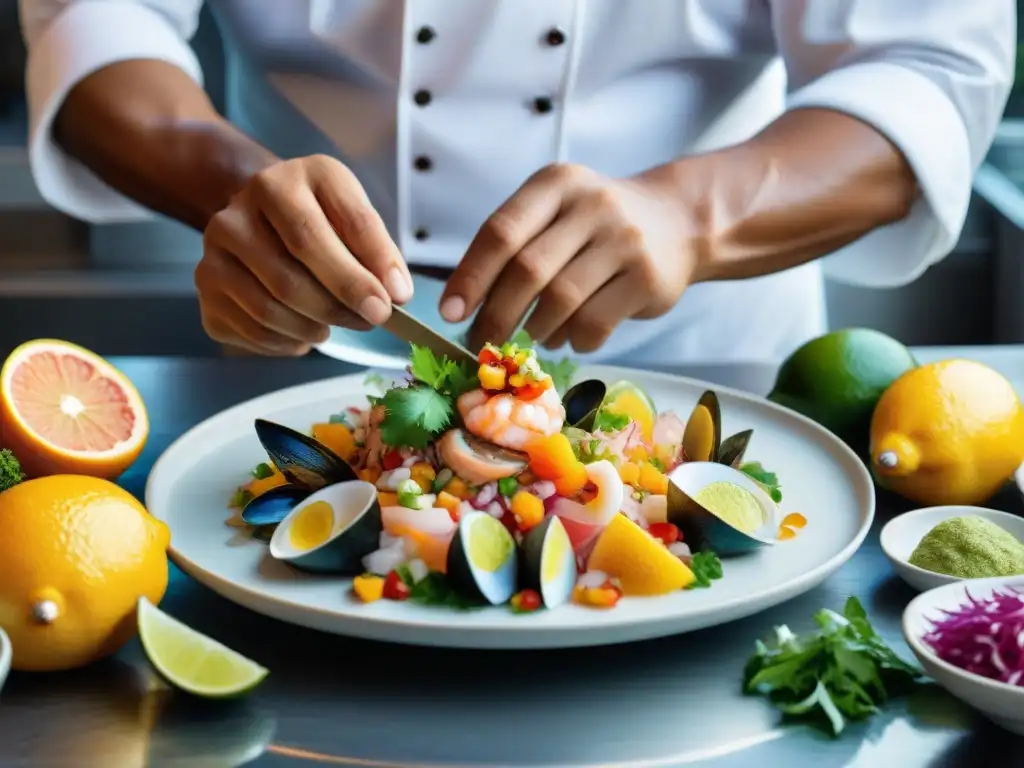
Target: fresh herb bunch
(434, 589)
(706, 568)
(417, 413)
(769, 480)
(843, 671)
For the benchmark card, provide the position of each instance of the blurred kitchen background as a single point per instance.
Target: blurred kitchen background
(127, 289)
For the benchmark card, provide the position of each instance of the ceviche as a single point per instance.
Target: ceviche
(495, 484)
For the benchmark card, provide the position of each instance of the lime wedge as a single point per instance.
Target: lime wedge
(628, 399)
(192, 661)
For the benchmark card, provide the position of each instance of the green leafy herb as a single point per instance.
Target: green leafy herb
(240, 498)
(447, 377)
(507, 487)
(434, 589)
(769, 480)
(262, 471)
(375, 381)
(414, 415)
(706, 568)
(657, 463)
(605, 421)
(843, 671)
(10, 470)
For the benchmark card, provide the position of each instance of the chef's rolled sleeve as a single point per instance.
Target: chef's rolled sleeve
(934, 79)
(67, 42)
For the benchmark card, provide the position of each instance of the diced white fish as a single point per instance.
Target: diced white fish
(397, 477)
(591, 579)
(417, 569)
(544, 489)
(434, 521)
(680, 549)
(654, 508)
(494, 509)
(383, 561)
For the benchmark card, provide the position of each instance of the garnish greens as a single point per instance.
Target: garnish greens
(417, 413)
(706, 568)
(262, 471)
(433, 589)
(241, 498)
(610, 422)
(843, 671)
(769, 480)
(10, 470)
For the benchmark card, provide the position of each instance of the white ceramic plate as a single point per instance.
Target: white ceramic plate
(5, 657)
(191, 483)
(1001, 703)
(902, 534)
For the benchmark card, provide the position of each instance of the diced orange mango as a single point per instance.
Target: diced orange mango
(630, 473)
(528, 510)
(337, 437)
(551, 456)
(368, 587)
(423, 475)
(794, 520)
(387, 499)
(449, 502)
(573, 481)
(786, 533)
(457, 488)
(492, 377)
(370, 475)
(652, 480)
(638, 454)
(259, 486)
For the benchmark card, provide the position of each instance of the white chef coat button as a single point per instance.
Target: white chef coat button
(554, 37)
(422, 97)
(425, 35)
(421, 234)
(423, 163)
(542, 105)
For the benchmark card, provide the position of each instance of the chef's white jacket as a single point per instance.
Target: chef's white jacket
(444, 107)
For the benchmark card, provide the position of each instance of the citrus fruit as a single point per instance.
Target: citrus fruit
(837, 379)
(76, 554)
(66, 410)
(627, 399)
(950, 432)
(639, 561)
(192, 661)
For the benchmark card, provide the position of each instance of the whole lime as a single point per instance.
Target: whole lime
(837, 379)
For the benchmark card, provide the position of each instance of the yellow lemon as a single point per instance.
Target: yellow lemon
(640, 562)
(950, 432)
(76, 555)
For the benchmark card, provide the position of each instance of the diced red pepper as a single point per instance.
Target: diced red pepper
(530, 391)
(510, 365)
(526, 601)
(509, 521)
(395, 588)
(666, 532)
(391, 460)
(488, 357)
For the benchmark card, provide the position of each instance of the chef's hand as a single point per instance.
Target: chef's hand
(594, 250)
(298, 249)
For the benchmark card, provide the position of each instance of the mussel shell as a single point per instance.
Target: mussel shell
(702, 437)
(272, 507)
(702, 529)
(581, 402)
(305, 462)
(733, 448)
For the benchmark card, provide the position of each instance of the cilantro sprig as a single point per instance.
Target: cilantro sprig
(843, 671)
(434, 589)
(706, 568)
(769, 480)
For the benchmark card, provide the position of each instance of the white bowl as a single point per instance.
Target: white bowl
(902, 534)
(5, 657)
(1001, 703)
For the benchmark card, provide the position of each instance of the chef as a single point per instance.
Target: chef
(659, 181)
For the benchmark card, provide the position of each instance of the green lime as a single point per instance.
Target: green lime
(192, 661)
(628, 399)
(837, 379)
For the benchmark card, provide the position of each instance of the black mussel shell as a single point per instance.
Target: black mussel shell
(272, 507)
(703, 435)
(581, 402)
(733, 448)
(305, 462)
(264, 533)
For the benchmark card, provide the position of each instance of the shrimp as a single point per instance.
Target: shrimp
(508, 421)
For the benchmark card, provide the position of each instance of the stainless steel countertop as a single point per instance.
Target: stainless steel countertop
(333, 701)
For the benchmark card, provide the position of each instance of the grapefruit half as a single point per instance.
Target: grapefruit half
(66, 410)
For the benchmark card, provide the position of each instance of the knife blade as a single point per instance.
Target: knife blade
(409, 329)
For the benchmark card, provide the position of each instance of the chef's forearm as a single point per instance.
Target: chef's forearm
(813, 181)
(148, 130)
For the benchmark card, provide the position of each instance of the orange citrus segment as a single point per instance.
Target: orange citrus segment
(640, 562)
(64, 409)
(786, 533)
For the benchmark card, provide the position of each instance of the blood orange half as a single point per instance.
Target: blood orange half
(66, 410)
